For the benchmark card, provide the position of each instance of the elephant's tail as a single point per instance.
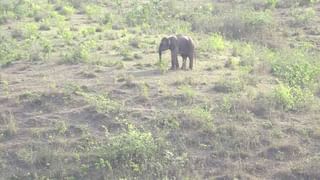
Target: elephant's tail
(195, 57)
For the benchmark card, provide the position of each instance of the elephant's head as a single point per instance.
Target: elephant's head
(164, 45)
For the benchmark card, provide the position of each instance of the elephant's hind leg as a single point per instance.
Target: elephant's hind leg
(191, 62)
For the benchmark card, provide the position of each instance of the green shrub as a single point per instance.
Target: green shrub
(146, 13)
(37, 49)
(188, 92)
(202, 113)
(30, 30)
(80, 53)
(215, 42)
(293, 98)
(246, 24)
(303, 16)
(296, 69)
(272, 3)
(102, 103)
(163, 66)
(228, 85)
(132, 147)
(67, 10)
(94, 12)
(9, 51)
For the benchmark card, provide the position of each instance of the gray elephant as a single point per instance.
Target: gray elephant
(178, 45)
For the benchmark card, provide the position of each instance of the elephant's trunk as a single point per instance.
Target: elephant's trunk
(160, 53)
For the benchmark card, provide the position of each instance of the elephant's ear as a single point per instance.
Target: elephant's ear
(172, 42)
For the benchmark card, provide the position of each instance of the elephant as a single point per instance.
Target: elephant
(178, 45)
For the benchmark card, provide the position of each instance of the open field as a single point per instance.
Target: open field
(83, 95)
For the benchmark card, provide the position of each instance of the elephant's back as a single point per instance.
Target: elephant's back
(185, 44)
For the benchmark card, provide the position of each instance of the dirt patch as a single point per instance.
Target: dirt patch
(282, 153)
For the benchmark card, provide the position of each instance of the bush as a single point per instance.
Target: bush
(246, 24)
(102, 103)
(202, 113)
(30, 30)
(229, 85)
(139, 154)
(66, 10)
(94, 12)
(9, 51)
(295, 69)
(215, 42)
(79, 53)
(133, 146)
(303, 16)
(147, 13)
(272, 3)
(293, 98)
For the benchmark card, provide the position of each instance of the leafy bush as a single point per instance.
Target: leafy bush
(229, 85)
(102, 103)
(138, 154)
(79, 53)
(272, 3)
(9, 50)
(203, 113)
(188, 92)
(215, 42)
(147, 13)
(295, 69)
(94, 12)
(132, 147)
(67, 10)
(246, 24)
(303, 16)
(30, 30)
(293, 98)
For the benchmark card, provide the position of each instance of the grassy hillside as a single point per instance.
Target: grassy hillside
(83, 96)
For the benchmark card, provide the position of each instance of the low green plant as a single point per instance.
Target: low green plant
(296, 69)
(9, 51)
(146, 13)
(66, 35)
(30, 30)
(94, 12)
(145, 90)
(11, 126)
(163, 66)
(87, 31)
(215, 42)
(133, 152)
(247, 24)
(229, 85)
(188, 92)
(226, 104)
(61, 127)
(203, 113)
(293, 98)
(80, 53)
(67, 10)
(168, 122)
(272, 3)
(303, 16)
(102, 103)
(37, 49)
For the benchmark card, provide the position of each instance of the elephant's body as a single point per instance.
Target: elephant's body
(178, 45)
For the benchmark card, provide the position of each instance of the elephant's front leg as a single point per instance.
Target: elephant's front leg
(174, 61)
(184, 63)
(177, 63)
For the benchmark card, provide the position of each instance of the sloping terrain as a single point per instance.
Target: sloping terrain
(83, 96)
